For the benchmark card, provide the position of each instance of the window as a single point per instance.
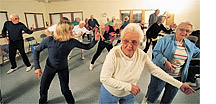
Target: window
(36, 20)
(3, 18)
(147, 14)
(124, 13)
(142, 16)
(55, 17)
(137, 16)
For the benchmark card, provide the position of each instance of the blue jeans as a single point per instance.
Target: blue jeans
(155, 88)
(107, 98)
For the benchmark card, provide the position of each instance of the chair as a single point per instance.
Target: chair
(4, 53)
(193, 39)
(32, 43)
(194, 67)
(43, 36)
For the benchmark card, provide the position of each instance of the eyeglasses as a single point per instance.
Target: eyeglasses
(16, 18)
(187, 31)
(134, 42)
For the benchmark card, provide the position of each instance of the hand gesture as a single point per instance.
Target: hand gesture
(135, 89)
(149, 41)
(97, 36)
(38, 73)
(187, 89)
(81, 33)
(6, 40)
(32, 27)
(173, 26)
(168, 67)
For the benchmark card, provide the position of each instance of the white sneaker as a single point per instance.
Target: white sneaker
(144, 101)
(82, 56)
(191, 84)
(11, 70)
(91, 66)
(28, 68)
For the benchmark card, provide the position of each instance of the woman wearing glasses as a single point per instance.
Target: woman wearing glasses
(123, 66)
(173, 54)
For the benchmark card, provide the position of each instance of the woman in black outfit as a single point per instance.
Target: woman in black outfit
(152, 32)
(107, 39)
(59, 46)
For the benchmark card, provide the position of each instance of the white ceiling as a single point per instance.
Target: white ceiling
(51, 0)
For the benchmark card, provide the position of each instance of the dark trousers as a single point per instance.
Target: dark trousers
(148, 44)
(88, 36)
(13, 47)
(155, 88)
(101, 46)
(46, 80)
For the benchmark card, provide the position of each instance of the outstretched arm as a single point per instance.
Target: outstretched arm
(158, 72)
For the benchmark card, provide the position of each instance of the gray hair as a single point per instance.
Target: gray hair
(160, 18)
(157, 10)
(11, 16)
(188, 23)
(117, 22)
(133, 28)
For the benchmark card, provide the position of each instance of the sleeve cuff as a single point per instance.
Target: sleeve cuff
(128, 87)
(163, 60)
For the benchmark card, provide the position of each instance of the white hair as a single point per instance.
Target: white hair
(11, 16)
(133, 28)
(188, 23)
(117, 22)
(82, 22)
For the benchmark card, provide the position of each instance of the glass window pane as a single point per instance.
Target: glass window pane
(147, 14)
(55, 18)
(68, 15)
(124, 14)
(40, 20)
(30, 20)
(3, 18)
(137, 16)
(77, 15)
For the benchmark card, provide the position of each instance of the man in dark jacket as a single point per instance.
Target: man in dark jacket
(15, 41)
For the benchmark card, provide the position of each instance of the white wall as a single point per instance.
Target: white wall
(185, 10)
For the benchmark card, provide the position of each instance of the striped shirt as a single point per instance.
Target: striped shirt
(179, 59)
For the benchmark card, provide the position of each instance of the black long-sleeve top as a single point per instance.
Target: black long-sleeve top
(14, 30)
(93, 23)
(153, 31)
(58, 51)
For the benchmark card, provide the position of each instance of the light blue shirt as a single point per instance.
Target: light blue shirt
(165, 50)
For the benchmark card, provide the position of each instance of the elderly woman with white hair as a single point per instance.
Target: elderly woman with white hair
(123, 66)
(173, 54)
(106, 39)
